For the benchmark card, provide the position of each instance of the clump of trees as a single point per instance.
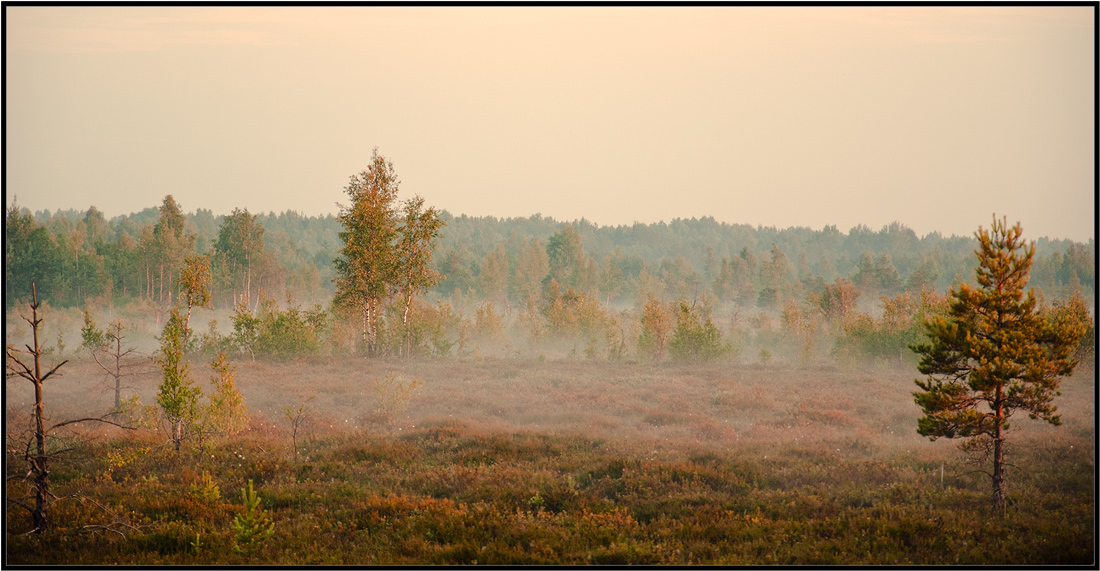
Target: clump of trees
(386, 250)
(178, 396)
(863, 338)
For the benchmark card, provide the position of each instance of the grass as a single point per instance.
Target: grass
(563, 462)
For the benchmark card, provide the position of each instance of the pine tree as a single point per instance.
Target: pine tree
(993, 354)
(254, 526)
(39, 462)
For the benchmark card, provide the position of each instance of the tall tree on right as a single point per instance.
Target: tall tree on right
(418, 232)
(994, 354)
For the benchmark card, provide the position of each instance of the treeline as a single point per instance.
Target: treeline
(79, 258)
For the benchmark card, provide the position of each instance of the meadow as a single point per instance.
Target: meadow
(557, 461)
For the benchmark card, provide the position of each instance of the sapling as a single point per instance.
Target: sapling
(252, 527)
(297, 417)
(394, 395)
(208, 492)
(177, 397)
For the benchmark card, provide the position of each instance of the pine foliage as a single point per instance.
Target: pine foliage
(994, 353)
(252, 527)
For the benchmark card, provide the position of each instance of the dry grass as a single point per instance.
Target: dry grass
(661, 407)
(578, 462)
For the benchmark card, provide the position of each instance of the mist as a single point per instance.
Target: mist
(647, 286)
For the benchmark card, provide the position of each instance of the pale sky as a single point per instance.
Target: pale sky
(935, 117)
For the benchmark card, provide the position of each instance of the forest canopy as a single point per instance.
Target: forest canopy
(80, 257)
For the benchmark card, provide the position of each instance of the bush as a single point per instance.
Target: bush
(656, 323)
(693, 340)
(888, 339)
(290, 333)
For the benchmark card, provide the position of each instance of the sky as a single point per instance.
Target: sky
(936, 117)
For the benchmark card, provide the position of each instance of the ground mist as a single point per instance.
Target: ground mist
(509, 461)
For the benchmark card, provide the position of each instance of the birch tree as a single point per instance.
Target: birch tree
(240, 244)
(366, 263)
(418, 233)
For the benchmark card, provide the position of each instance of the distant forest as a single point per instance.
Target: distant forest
(80, 257)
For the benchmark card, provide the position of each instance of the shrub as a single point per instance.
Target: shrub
(393, 395)
(1076, 311)
(487, 323)
(226, 413)
(693, 340)
(290, 333)
(656, 324)
(889, 338)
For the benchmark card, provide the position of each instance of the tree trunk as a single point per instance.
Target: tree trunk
(40, 464)
(366, 327)
(42, 474)
(373, 328)
(408, 325)
(118, 370)
(999, 456)
(999, 474)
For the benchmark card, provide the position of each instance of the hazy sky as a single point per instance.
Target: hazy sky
(936, 117)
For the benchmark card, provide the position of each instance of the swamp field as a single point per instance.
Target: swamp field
(533, 461)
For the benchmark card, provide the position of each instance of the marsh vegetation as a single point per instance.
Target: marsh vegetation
(499, 460)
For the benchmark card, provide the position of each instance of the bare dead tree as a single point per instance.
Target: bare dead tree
(114, 358)
(38, 459)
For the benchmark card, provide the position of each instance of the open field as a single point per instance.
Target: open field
(526, 461)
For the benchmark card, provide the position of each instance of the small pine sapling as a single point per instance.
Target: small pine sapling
(208, 491)
(254, 526)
